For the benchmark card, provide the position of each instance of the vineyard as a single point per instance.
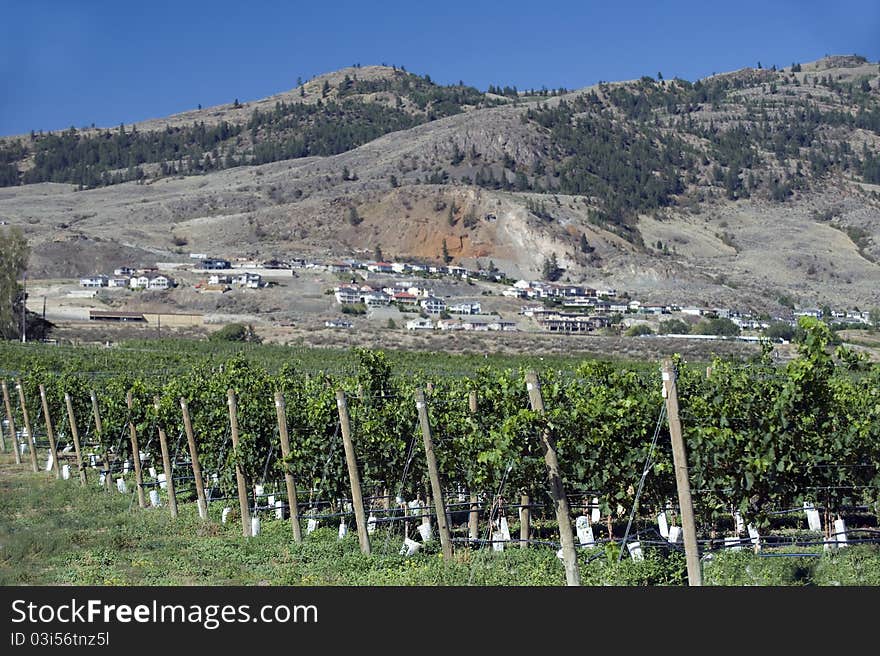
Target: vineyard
(781, 459)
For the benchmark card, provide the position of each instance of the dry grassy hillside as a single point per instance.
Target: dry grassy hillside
(699, 244)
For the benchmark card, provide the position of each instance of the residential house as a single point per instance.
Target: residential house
(465, 308)
(160, 282)
(348, 294)
(215, 263)
(380, 267)
(249, 280)
(419, 324)
(405, 298)
(124, 271)
(376, 298)
(118, 281)
(93, 281)
(433, 305)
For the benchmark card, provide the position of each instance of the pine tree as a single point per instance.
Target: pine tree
(447, 258)
(14, 254)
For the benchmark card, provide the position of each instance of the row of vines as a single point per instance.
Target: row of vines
(761, 437)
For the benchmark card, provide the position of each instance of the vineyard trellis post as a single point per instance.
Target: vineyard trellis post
(166, 463)
(194, 459)
(12, 434)
(50, 433)
(679, 459)
(135, 453)
(99, 432)
(8, 416)
(32, 444)
(474, 514)
(353, 475)
(525, 518)
(434, 475)
(280, 411)
(74, 433)
(240, 482)
(557, 491)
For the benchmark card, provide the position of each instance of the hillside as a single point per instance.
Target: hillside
(746, 188)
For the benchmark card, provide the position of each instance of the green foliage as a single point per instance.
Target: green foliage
(550, 269)
(638, 330)
(235, 332)
(759, 437)
(673, 327)
(14, 255)
(717, 326)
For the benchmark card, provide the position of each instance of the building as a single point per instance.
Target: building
(124, 271)
(93, 281)
(433, 305)
(249, 280)
(118, 281)
(152, 282)
(419, 324)
(466, 308)
(348, 295)
(100, 315)
(215, 263)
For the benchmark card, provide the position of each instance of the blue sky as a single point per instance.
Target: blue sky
(78, 62)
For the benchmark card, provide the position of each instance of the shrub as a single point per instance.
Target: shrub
(236, 332)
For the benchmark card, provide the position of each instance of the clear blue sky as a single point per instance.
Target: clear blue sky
(77, 62)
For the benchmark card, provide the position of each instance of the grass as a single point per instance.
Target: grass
(57, 533)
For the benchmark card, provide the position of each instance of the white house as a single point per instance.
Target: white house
(348, 294)
(433, 305)
(118, 281)
(249, 280)
(419, 324)
(377, 298)
(466, 308)
(93, 281)
(152, 282)
(123, 271)
(400, 267)
(160, 282)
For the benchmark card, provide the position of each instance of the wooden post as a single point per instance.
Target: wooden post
(353, 475)
(99, 433)
(194, 457)
(32, 445)
(135, 454)
(11, 420)
(75, 434)
(474, 514)
(525, 520)
(557, 491)
(240, 481)
(50, 433)
(434, 475)
(679, 459)
(280, 411)
(166, 465)
(708, 372)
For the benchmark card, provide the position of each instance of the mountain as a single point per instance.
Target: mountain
(755, 188)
